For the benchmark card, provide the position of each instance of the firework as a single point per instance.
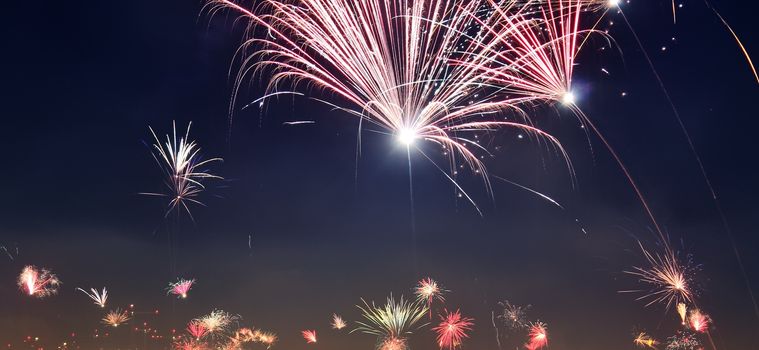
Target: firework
(217, 321)
(196, 329)
(682, 311)
(669, 277)
(427, 290)
(180, 288)
(532, 53)
(514, 316)
(189, 344)
(409, 68)
(116, 317)
(538, 336)
(394, 319)
(99, 298)
(683, 341)
(266, 338)
(452, 330)
(393, 343)
(309, 335)
(337, 322)
(39, 283)
(698, 321)
(391, 323)
(181, 163)
(645, 340)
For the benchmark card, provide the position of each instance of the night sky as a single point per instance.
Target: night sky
(82, 81)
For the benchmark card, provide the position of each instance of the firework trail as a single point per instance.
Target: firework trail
(691, 145)
(388, 63)
(38, 283)
(645, 340)
(116, 318)
(99, 298)
(538, 336)
(196, 329)
(181, 163)
(427, 290)
(737, 39)
(8, 253)
(337, 322)
(391, 323)
(180, 288)
(452, 330)
(309, 336)
(669, 278)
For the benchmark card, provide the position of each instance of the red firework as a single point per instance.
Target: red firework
(310, 336)
(538, 336)
(181, 288)
(452, 329)
(698, 321)
(196, 329)
(38, 282)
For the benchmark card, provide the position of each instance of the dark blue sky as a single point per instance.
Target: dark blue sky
(82, 81)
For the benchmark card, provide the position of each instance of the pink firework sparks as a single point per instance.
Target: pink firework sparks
(310, 336)
(181, 288)
(698, 321)
(452, 330)
(196, 329)
(538, 336)
(531, 53)
(389, 63)
(393, 343)
(39, 283)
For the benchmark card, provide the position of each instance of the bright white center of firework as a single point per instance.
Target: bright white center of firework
(407, 136)
(614, 3)
(568, 99)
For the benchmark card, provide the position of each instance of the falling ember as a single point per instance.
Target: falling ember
(698, 321)
(310, 336)
(538, 336)
(645, 340)
(181, 288)
(338, 322)
(452, 330)
(116, 318)
(39, 283)
(99, 298)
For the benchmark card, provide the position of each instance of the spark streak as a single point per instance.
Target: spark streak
(98, 297)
